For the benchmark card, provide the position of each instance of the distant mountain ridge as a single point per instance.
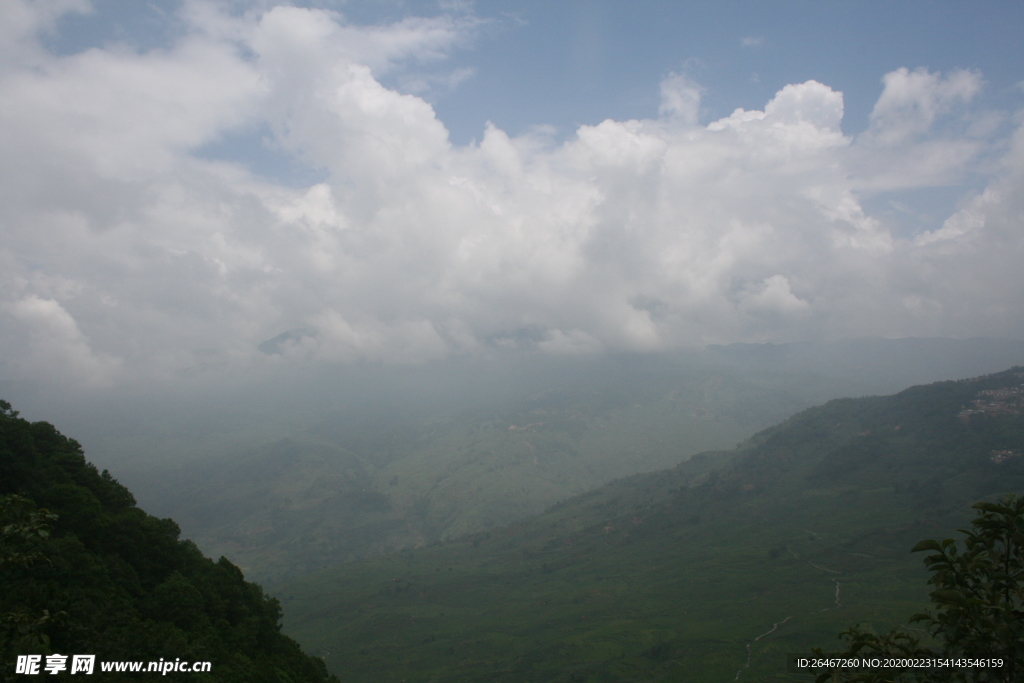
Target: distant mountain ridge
(438, 452)
(336, 491)
(712, 570)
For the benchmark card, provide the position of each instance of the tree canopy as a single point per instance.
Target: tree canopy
(978, 605)
(84, 571)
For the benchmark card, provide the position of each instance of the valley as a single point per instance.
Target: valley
(463, 550)
(300, 477)
(710, 570)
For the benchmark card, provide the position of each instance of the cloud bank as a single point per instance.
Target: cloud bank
(127, 252)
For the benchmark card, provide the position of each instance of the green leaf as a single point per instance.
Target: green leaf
(927, 544)
(949, 597)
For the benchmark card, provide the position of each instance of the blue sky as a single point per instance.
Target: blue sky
(403, 182)
(580, 62)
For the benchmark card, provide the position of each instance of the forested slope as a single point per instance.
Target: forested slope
(85, 571)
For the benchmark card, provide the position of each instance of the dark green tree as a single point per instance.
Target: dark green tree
(978, 600)
(22, 527)
(84, 570)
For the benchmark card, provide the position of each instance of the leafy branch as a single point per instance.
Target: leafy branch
(978, 598)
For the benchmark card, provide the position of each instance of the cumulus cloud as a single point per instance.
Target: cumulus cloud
(774, 295)
(680, 98)
(22, 21)
(901, 148)
(55, 347)
(123, 249)
(912, 100)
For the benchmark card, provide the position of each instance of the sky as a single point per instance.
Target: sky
(219, 188)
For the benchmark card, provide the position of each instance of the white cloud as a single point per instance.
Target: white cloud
(912, 100)
(968, 219)
(901, 149)
(21, 21)
(751, 41)
(774, 295)
(680, 98)
(637, 235)
(120, 114)
(55, 348)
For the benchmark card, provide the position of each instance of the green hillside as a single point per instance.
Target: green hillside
(311, 470)
(710, 571)
(338, 488)
(85, 571)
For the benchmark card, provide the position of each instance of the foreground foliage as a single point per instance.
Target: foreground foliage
(978, 604)
(85, 571)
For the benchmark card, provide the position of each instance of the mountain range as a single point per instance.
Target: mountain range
(710, 570)
(308, 472)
